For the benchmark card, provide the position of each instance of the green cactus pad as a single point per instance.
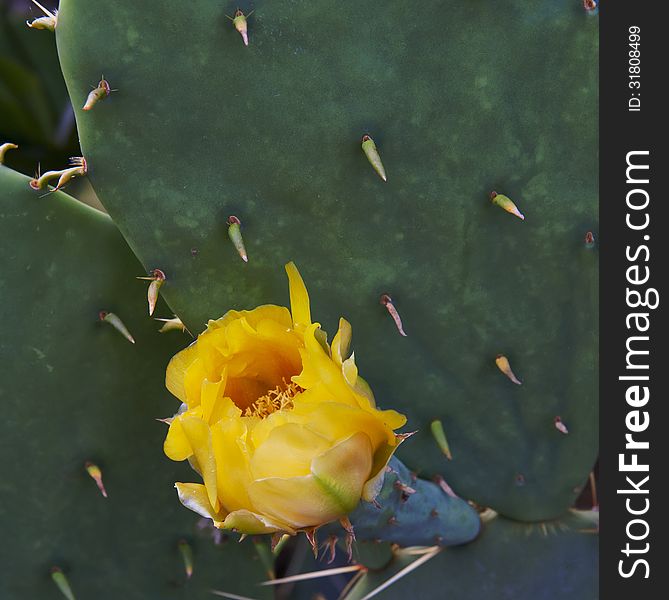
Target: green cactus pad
(411, 512)
(509, 561)
(461, 98)
(73, 389)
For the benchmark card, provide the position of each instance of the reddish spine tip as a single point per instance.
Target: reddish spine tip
(102, 315)
(366, 138)
(493, 195)
(385, 299)
(232, 220)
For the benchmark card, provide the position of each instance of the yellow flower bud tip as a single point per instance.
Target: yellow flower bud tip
(507, 204)
(4, 148)
(560, 426)
(62, 583)
(187, 556)
(589, 240)
(157, 278)
(372, 154)
(235, 235)
(503, 365)
(439, 435)
(96, 474)
(116, 323)
(388, 303)
(99, 93)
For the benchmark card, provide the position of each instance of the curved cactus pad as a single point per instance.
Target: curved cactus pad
(509, 561)
(461, 98)
(412, 512)
(74, 390)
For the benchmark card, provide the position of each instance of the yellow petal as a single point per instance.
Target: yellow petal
(375, 482)
(331, 491)
(319, 369)
(287, 452)
(245, 521)
(298, 501)
(199, 437)
(343, 470)
(193, 377)
(299, 297)
(336, 421)
(176, 445)
(176, 369)
(211, 396)
(194, 496)
(341, 342)
(232, 459)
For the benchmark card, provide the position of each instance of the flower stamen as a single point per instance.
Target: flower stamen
(280, 398)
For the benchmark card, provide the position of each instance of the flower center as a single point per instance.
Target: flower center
(280, 398)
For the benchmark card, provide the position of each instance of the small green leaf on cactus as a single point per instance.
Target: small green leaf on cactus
(507, 204)
(502, 363)
(60, 579)
(96, 474)
(116, 323)
(4, 148)
(235, 234)
(372, 154)
(187, 556)
(99, 93)
(241, 24)
(440, 437)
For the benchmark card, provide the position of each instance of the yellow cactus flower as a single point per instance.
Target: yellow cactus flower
(283, 431)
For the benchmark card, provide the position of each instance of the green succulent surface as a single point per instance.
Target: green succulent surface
(460, 99)
(74, 390)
